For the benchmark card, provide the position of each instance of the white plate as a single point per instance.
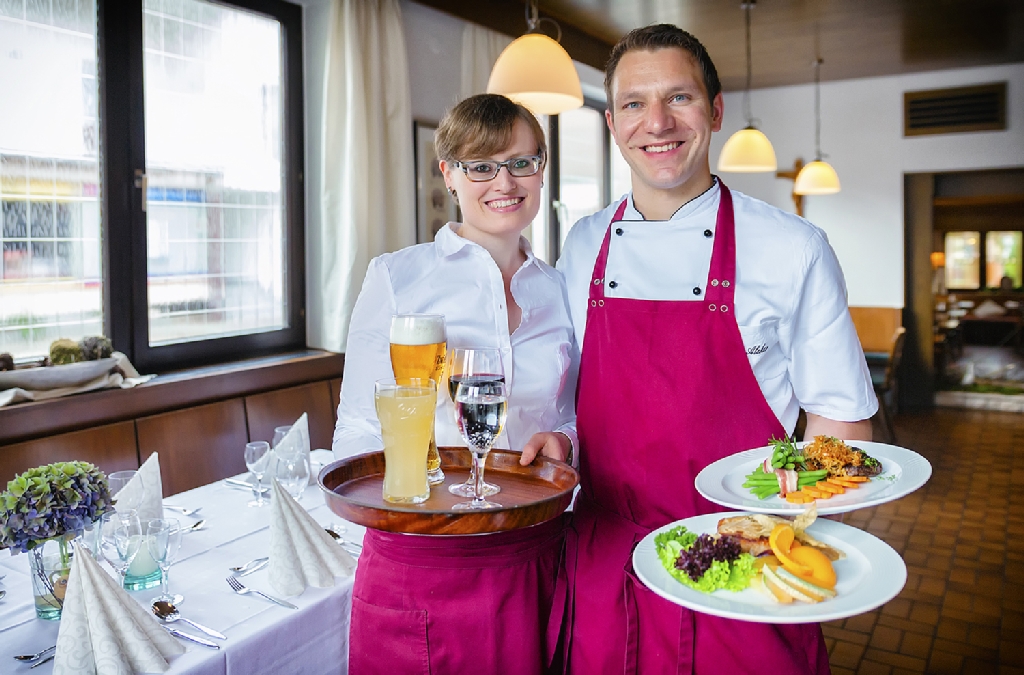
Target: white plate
(903, 471)
(870, 575)
(55, 377)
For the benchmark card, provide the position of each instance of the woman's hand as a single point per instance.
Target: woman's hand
(553, 444)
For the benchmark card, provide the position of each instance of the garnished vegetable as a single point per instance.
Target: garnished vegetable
(825, 467)
(716, 561)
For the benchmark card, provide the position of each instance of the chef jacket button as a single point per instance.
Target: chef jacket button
(712, 307)
(696, 290)
(613, 284)
(714, 282)
(618, 231)
(725, 284)
(707, 233)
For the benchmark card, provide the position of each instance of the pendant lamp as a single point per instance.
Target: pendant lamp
(748, 150)
(536, 71)
(818, 177)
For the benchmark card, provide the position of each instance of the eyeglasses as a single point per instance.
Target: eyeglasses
(485, 170)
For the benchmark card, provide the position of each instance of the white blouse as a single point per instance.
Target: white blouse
(459, 279)
(791, 304)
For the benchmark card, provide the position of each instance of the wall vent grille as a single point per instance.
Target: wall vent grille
(947, 111)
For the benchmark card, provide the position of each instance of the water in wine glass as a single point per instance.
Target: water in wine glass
(481, 413)
(257, 460)
(473, 366)
(120, 540)
(163, 537)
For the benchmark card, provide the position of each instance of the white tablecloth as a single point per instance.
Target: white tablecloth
(262, 637)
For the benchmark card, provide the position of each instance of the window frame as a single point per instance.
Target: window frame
(123, 222)
(982, 260)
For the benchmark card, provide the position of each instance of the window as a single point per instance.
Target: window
(963, 260)
(150, 176)
(970, 266)
(1002, 258)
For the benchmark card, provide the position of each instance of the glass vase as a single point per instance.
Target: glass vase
(50, 565)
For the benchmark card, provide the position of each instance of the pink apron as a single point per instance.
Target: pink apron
(665, 388)
(456, 604)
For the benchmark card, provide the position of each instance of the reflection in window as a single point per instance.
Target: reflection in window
(963, 260)
(50, 269)
(1002, 258)
(621, 177)
(214, 150)
(581, 168)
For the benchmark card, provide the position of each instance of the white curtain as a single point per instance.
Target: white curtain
(480, 49)
(367, 205)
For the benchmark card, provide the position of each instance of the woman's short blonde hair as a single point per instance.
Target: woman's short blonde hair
(481, 126)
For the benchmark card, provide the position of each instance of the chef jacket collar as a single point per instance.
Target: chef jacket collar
(448, 243)
(704, 200)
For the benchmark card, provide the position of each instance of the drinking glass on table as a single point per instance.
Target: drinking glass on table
(405, 408)
(418, 346)
(120, 539)
(479, 366)
(257, 460)
(163, 536)
(292, 473)
(125, 503)
(279, 434)
(481, 412)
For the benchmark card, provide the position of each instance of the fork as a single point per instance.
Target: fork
(240, 588)
(182, 510)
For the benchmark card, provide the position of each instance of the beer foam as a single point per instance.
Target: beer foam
(417, 329)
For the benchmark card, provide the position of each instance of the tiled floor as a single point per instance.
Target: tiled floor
(962, 537)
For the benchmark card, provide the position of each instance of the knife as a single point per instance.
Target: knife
(42, 661)
(242, 484)
(191, 638)
(255, 568)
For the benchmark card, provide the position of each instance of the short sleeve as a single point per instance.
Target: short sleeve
(367, 359)
(827, 368)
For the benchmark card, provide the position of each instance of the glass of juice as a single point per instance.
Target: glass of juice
(405, 408)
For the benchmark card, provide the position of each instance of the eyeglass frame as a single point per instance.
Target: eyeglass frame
(537, 160)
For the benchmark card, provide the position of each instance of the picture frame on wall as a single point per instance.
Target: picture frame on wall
(434, 206)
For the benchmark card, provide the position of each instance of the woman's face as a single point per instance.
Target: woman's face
(504, 206)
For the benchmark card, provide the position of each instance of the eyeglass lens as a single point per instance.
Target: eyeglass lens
(517, 166)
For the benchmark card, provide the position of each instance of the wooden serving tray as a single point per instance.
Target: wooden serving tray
(529, 495)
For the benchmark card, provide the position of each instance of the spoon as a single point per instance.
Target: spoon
(242, 568)
(33, 657)
(168, 613)
(198, 525)
(2, 594)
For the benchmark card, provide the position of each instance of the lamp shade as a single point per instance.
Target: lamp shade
(536, 72)
(747, 151)
(938, 259)
(816, 178)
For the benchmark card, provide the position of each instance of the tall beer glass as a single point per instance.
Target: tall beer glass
(405, 408)
(418, 347)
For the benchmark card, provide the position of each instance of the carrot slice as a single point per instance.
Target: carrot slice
(817, 494)
(847, 483)
(830, 487)
(797, 498)
(856, 479)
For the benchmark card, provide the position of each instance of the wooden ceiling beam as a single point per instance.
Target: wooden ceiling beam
(509, 18)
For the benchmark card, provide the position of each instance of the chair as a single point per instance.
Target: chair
(884, 380)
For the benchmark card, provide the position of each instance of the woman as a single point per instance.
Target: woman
(475, 603)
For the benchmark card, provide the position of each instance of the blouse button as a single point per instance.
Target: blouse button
(618, 231)
(613, 284)
(696, 290)
(707, 233)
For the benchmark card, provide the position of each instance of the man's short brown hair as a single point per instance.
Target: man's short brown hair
(662, 36)
(482, 126)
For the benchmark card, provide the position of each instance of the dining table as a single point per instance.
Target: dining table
(262, 637)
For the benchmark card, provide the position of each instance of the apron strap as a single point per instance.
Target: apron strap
(597, 278)
(721, 282)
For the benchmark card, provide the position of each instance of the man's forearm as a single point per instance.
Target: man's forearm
(847, 431)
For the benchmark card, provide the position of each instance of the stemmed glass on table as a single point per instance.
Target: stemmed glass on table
(481, 410)
(257, 460)
(129, 503)
(163, 536)
(480, 366)
(120, 538)
(292, 473)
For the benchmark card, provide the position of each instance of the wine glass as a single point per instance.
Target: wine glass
(481, 411)
(163, 536)
(293, 473)
(120, 540)
(279, 434)
(476, 366)
(126, 503)
(257, 459)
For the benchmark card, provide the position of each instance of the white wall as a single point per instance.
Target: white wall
(862, 134)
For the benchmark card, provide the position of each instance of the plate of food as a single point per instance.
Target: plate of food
(838, 476)
(769, 569)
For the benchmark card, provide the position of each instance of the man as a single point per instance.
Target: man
(706, 320)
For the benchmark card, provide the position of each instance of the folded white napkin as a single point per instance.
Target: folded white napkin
(103, 630)
(301, 552)
(147, 480)
(297, 440)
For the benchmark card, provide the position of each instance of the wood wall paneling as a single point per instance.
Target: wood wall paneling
(196, 445)
(276, 408)
(111, 447)
(876, 326)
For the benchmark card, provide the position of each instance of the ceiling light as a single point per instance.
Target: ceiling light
(818, 177)
(748, 150)
(536, 71)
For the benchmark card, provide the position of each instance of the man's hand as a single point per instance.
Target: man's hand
(553, 444)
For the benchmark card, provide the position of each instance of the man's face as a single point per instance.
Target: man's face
(661, 119)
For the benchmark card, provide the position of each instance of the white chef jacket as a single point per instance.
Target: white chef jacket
(459, 279)
(791, 304)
